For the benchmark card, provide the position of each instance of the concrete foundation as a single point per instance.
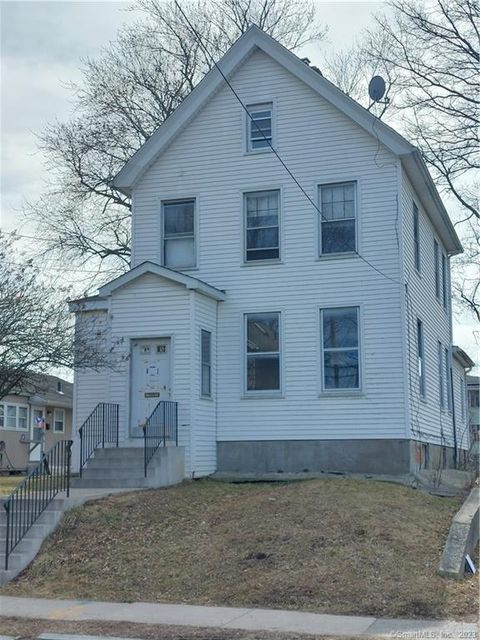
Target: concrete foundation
(379, 457)
(303, 456)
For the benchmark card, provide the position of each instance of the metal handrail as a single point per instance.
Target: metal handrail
(100, 428)
(160, 427)
(33, 495)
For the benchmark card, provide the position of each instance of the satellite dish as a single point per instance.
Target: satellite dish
(376, 88)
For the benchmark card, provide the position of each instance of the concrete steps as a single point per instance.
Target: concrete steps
(29, 546)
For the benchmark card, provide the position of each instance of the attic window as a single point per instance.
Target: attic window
(259, 126)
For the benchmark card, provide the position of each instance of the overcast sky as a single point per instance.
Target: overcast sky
(42, 44)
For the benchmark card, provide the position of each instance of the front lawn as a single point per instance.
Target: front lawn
(332, 545)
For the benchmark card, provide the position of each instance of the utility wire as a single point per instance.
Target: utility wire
(212, 59)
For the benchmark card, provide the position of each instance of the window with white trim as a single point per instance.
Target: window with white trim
(58, 421)
(13, 416)
(340, 345)
(444, 280)
(338, 217)
(448, 380)
(436, 260)
(421, 358)
(462, 398)
(262, 237)
(206, 363)
(262, 352)
(178, 232)
(416, 236)
(441, 382)
(259, 126)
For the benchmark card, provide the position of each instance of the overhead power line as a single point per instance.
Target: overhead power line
(283, 163)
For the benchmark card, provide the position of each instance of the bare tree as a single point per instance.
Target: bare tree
(125, 95)
(36, 329)
(429, 53)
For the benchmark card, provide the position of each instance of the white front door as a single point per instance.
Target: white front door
(150, 380)
(36, 449)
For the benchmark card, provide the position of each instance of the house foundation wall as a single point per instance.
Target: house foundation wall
(302, 456)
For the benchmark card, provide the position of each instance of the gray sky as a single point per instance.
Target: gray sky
(42, 44)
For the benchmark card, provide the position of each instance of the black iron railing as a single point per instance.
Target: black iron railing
(160, 428)
(99, 429)
(33, 495)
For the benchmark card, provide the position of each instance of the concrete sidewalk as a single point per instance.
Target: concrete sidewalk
(234, 618)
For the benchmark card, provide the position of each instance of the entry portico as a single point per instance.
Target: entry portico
(151, 317)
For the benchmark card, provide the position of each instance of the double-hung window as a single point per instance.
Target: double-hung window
(13, 416)
(178, 224)
(448, 380)
(444, 280)
(262, 352)
(421, 358)
(262, 225)
(259, 126)
(441, 381)
(436, 260)
(58, 420)
(416, 236)
(338, 217)
(206, 364)
(340, 348)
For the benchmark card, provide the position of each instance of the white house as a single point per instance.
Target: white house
(298, 328)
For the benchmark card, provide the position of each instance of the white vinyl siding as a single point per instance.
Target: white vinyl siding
(13, 416)
(59, 421)
(448, 380)
(441, 378)
(206, 363)
(259, 127)
(337, 217)
(340, 349)
(322, 147)
(178, 224)
(262, 233)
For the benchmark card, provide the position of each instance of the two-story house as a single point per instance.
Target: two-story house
(289, 286)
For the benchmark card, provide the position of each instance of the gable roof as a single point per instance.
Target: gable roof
(99, 302)
(254, 38)
(462, 357)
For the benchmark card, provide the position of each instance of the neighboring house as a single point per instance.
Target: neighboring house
(473, 395)
(297, 329)
(46, 405)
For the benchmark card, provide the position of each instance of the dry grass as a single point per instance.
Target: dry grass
(332, 545)
(8, 484)
(31, 629)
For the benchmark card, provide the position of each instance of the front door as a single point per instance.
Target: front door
(37, 427)
(150, 380)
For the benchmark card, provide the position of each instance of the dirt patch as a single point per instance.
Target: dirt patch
(332, 545)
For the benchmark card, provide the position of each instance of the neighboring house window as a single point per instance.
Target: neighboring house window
(259, 126)
(206, 377)
(340, 348)
(59, 386)
(436, 258)
(441, 382)
(179, 234)
(447, 379)
(416, 236)
(263, 352)
(13, 416)
(421, 358)
(337, 220)
(262, 225)
(444, 280)
(58, 420)
(473, 398)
